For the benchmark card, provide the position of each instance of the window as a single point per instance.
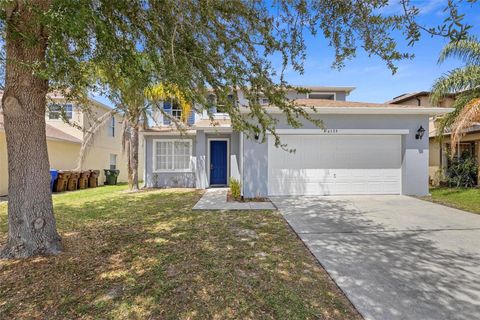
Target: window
(321, 95)
(111, 127)
(176, 112)
(55, 111)
(113, 161)
(264, 101)
(211, 100)
(172, 155)
(212, 103)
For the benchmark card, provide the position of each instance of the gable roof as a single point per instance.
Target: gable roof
(51, 132)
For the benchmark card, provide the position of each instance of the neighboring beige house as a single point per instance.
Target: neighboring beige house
(64, 141)
(438, 156)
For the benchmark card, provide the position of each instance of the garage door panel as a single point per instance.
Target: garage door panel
(335, 165)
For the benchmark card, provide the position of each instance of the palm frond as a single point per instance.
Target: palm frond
(455, 81)
(468, 116)
(446, 122)
(466, 50)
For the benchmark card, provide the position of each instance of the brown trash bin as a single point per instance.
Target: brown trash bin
(93, 179)
(73, 181)
(83, 180)
(62, 181)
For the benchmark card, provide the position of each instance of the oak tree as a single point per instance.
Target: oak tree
(198, 45)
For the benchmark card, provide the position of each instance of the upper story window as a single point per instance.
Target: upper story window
(322, 95)
(111, 127)
(176, 112)
(55, 111)
(211, 100)
(264, 100)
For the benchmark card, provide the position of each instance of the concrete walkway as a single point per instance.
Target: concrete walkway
(395, 257)
(216, 199)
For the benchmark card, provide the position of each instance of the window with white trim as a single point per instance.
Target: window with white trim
(111, 127)
(172, 155)
(113, 161)
(176, 111)
(55, 111)
(322, 95)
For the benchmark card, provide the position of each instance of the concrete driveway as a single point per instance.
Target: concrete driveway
(395, 257)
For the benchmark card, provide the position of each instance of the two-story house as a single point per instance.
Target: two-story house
(440, 150)
(362, 148)
(64, 140)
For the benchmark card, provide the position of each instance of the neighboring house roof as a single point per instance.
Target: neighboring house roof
(411, 95)
(473, 129)
(51, 132)
(407, 96)
(56, 134)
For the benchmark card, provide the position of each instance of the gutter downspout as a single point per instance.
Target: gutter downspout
(144, 161)
(241, 164)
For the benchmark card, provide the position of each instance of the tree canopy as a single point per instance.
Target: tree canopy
(216, 45)
(197, 46)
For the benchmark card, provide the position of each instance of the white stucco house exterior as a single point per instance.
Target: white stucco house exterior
(362, 148)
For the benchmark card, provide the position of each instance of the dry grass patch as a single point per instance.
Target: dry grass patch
(148, 256)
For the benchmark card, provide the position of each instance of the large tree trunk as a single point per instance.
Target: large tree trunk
(31, 224)
(133, 162)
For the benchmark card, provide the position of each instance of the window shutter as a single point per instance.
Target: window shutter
(167, 108)
(191, 118)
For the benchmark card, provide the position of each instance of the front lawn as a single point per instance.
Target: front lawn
(148, 256)
(465, 199)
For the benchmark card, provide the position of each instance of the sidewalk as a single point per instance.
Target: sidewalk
(216, 199)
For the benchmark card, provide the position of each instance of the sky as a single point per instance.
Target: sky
(374, 82)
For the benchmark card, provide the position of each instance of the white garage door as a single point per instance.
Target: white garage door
(335, 164)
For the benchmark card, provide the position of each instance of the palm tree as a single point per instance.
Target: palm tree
(135, 103)
(464, 82)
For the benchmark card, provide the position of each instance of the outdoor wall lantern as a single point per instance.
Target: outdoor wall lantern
(420, 133)
(257, 135)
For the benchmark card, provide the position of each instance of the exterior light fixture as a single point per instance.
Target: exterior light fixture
(257, 134)
(420, 133)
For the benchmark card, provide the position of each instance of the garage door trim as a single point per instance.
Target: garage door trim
(336, 164)
(342, 131)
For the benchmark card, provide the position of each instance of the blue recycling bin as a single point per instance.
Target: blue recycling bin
(53, 178)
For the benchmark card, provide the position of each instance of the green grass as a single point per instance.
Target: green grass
(149, 256)
(465, 199)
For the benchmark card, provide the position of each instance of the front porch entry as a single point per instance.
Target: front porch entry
(218, 167)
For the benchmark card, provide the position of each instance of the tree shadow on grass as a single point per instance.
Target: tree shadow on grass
(151, 256)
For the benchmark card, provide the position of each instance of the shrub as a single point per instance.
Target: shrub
(462, 172)
(235, 189)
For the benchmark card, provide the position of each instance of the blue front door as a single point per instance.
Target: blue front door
(218, 162)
